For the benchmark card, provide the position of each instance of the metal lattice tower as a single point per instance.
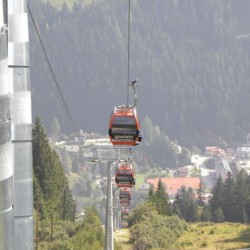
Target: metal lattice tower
(110, 155)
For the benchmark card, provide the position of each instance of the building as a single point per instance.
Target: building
(184, 171)
(222, 168)
(173, 185)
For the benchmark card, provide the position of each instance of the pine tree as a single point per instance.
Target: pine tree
(55, 130)
(206, 213)
(175, 207)
(217, 199)
(247, 205)
(241, 195)
(229, 205)
(200, 196)
(151, 195)
(38, 201)
(162, 199)
(186, 205)
(219, 215)
(50, 181)
(192, 206)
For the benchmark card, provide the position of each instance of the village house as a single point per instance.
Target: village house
(173, 185)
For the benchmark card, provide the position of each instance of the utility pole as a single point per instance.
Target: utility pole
(7, 234)
(21, 122)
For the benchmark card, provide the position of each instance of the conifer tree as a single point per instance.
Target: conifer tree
(200, 196)
(192, 211)
(185, 204)
(55, 130)
(229, 208)
(241, 195)
(162, 200)
(217, 199)
(247, 205)
(175, 206)
(50, 181)
(151, 194)
(206, 213)
(219, 215)
(38, 201)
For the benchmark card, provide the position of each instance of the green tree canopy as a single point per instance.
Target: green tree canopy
(51, 186)
(91, 234)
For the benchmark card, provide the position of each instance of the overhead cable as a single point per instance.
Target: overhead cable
(128, 52)
(52, 72)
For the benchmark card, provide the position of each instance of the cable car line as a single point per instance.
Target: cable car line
(124, 126)
(124, 130)
(52, 72)
(128, 52)
(125, 180)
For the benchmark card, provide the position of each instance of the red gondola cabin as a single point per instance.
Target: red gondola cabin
(124, 127)
(125, 193)
(125, 211)
(124, 214)
(124, 176)
(125, 224)
(124, 202)
(124, 217)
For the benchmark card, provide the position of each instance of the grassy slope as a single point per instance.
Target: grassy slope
(205, 236)
(219, 236)
(140, 179)
(121, 236)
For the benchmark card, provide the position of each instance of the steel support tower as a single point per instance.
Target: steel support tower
(110, 155)
(6, 152)
(21, 122)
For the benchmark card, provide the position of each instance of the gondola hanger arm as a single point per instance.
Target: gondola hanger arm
(134, 84)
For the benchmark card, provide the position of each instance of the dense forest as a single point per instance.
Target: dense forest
(191, 58)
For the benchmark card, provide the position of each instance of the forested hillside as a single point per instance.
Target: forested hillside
(191, 57)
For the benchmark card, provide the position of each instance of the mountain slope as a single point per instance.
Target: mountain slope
(188, 57)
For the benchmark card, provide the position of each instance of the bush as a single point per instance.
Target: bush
(60, 246)
(153, 231)
(204, 244)
(187, 243)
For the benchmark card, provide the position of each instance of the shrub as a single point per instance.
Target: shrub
(60, 246)
(204, 244)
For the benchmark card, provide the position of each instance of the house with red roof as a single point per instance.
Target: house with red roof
(173, 185)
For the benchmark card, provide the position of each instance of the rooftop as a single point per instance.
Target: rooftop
(174, 184)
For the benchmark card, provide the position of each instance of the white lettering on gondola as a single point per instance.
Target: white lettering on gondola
(124, 137)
